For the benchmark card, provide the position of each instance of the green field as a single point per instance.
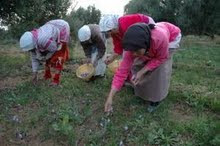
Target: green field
(72, 114)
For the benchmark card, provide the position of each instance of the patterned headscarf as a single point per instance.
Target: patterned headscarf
(108, 22)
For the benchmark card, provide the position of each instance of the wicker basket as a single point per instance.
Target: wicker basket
(114, 65)
(85, 72)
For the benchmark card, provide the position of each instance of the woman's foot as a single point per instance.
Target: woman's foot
(47, 73)
(56, 80)
(152, 106)
(93, 78)
(53, 84)
(47, 77)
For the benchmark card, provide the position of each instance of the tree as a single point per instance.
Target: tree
(199, 17)
(81, 16)
(22, 15)
(193, 16)
(143, 6)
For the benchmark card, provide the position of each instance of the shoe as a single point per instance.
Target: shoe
(152, 106)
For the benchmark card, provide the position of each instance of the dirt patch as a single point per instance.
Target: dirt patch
(70, 68)
(14, 52)
(91, 124)
(12, 82)
(194, 89)
(181, 113)
(14, 126)
(32, 140)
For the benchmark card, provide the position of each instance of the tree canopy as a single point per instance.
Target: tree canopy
(22, 15)
(81, 16)
(192, 16)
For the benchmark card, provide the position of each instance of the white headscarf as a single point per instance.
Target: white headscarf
(27, 41)
(108, 22)
(84, 33)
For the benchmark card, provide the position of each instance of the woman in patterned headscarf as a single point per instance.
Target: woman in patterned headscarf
(116, 26)
(49, 43)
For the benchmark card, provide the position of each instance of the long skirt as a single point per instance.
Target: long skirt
(57, 61)
(59, 57)
(155, 84)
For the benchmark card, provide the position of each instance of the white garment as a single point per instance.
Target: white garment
(175, 43)
(37, 57)
(63, 28)
(84, 33)
(101, 66)
(26, 41)
(108, 22)
(151, 21)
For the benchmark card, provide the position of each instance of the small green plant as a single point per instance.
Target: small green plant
(63, 126)
(160, 137)
(216, 140)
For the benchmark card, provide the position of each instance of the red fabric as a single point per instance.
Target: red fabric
(124, 22)
(59, 57)
(47, 73)
(56, 78)
(35, 34)
(57, 61)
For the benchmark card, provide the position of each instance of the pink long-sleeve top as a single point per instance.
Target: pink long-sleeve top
(158, 53)
(124, 22)
(172, 29)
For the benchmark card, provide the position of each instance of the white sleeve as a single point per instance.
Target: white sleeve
(35, 61)
(151, 21)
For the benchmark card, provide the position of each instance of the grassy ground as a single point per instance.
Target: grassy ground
(72, 114)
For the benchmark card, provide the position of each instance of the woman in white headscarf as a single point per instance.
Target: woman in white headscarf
(93, 43)
(116, 26)
(49, 43)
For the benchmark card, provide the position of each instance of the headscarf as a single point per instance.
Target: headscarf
(137, 37)
(108, 22)
(84, 33)
(27, 41)
(48, 38)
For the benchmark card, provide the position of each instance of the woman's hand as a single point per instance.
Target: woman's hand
(137, 78)
(111, 58)
(108, 103)
(88, 60)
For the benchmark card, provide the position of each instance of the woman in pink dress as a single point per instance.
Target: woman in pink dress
(147, 62)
